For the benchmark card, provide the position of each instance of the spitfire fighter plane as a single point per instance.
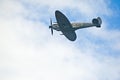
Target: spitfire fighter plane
(68, 29)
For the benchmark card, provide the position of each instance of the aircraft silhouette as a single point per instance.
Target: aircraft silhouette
(68, 29)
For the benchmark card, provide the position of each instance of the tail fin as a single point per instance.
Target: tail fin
(97, 22)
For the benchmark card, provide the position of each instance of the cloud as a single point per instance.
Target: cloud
(28, 51)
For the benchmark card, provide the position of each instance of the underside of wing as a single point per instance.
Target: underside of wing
(65, 26)
(62, 21)
(71, 35)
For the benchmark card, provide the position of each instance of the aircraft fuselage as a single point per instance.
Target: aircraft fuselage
(75, 26)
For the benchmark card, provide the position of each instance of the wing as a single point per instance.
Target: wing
(65, 26)
(62, 21)
(71, 35)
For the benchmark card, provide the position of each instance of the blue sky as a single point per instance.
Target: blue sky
(114, 5)
(29, 52)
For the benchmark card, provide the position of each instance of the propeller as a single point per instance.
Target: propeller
(51, 26)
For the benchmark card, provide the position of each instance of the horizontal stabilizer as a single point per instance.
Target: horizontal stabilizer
(97, 22)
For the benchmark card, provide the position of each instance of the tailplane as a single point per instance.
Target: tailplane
(97, 22)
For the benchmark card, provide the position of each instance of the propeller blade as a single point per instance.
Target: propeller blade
(51, 31)
(51, 26)
(50, 21)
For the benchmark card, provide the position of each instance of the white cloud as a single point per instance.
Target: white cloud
(29, 52)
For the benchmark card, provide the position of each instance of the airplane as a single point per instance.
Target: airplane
(68, 29)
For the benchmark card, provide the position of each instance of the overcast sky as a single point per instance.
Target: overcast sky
(28, 51)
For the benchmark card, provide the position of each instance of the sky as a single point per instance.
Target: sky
(28, 51)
